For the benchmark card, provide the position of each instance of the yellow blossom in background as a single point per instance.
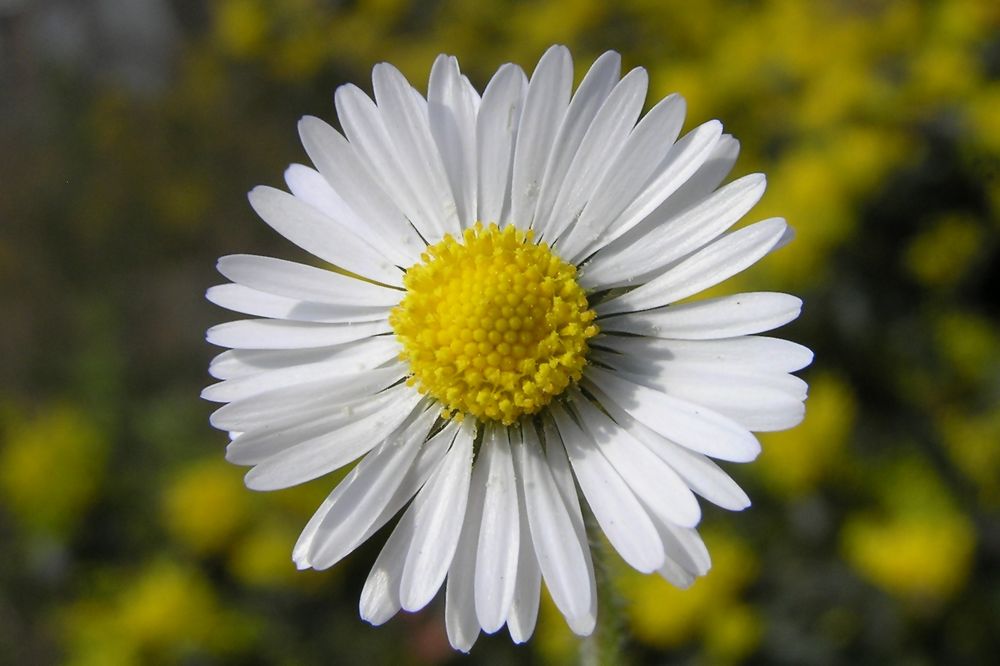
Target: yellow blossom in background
(920, 546)
(970, 343)
(941, 255)
(162, 614)
(241, 26)
(970, 441)
(793, 465)
(261, 558)
(984, 118)
(205, 505)
(52, 465)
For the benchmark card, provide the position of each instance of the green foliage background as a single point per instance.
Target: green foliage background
(130, 132)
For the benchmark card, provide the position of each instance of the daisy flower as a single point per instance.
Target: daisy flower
(503, 340)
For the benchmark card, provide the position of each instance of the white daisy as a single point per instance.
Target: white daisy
(503, 329)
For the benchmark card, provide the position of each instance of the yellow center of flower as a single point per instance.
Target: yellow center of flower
(494, 325)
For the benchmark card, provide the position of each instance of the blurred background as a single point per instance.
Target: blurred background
(130, 131)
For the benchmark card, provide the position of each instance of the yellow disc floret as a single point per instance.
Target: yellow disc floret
(493, 326)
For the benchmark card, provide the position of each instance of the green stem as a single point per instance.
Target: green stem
(606, 645)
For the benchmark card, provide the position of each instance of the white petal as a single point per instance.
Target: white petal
(712, 318)
(691, 426)
(358, 357)
(772, 354)
(560, 551)
(647, 170)
(685, 547)
(460, 606)
(298, 403)
(757, 401)
(598, 150)
(280, 334)
(439, 509)
(380, 595)
(357, 501)
(240, 363)
(683, 160)
(406, 120)
(544, 107)
(524, 606)
(323, 236)
(581, 624)
(653, 481)
(365, 128)
(676, 575)
(313, 188)
(496, 136)
(666, 239)
(496, 552)
(701, 474)
(586, 102)
(249, 301)
(292, 280)
(318, 456)
(452, 112)
(703, 269)
(328, 548)
(702, 183)
(348, 175)
(618, 512)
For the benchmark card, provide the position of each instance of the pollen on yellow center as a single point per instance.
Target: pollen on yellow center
(493, 326)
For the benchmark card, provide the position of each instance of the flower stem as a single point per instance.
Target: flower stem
(606, 645)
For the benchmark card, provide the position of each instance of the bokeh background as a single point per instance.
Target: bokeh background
(130, 131)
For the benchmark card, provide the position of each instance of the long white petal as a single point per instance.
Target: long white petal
(524, 606)
(239, 298)
(496, 552)
(313, 188)
(701, 474)
(598, 150)
(761, 402)
(334, 397)
(307, 283)
(318, 456)
(559, 549)
(380, 595)
(712, 318)
(705, 268)
(544, 107)
(496, 135)
(759, 352)
(702, 182)
(366, 130)
(351, 178)
(651, 480)
(439, 510)
(583, 107)
(323, 236)
(452, 111)
(359, 357)
(406, 120)
(460, 605)
(357, 501)
(651, 169)
(618, 512)
(664, 240)
(694, 427)
(343, 538)
(281, 334)
(582, 623)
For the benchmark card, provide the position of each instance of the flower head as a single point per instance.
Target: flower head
(503, 326)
